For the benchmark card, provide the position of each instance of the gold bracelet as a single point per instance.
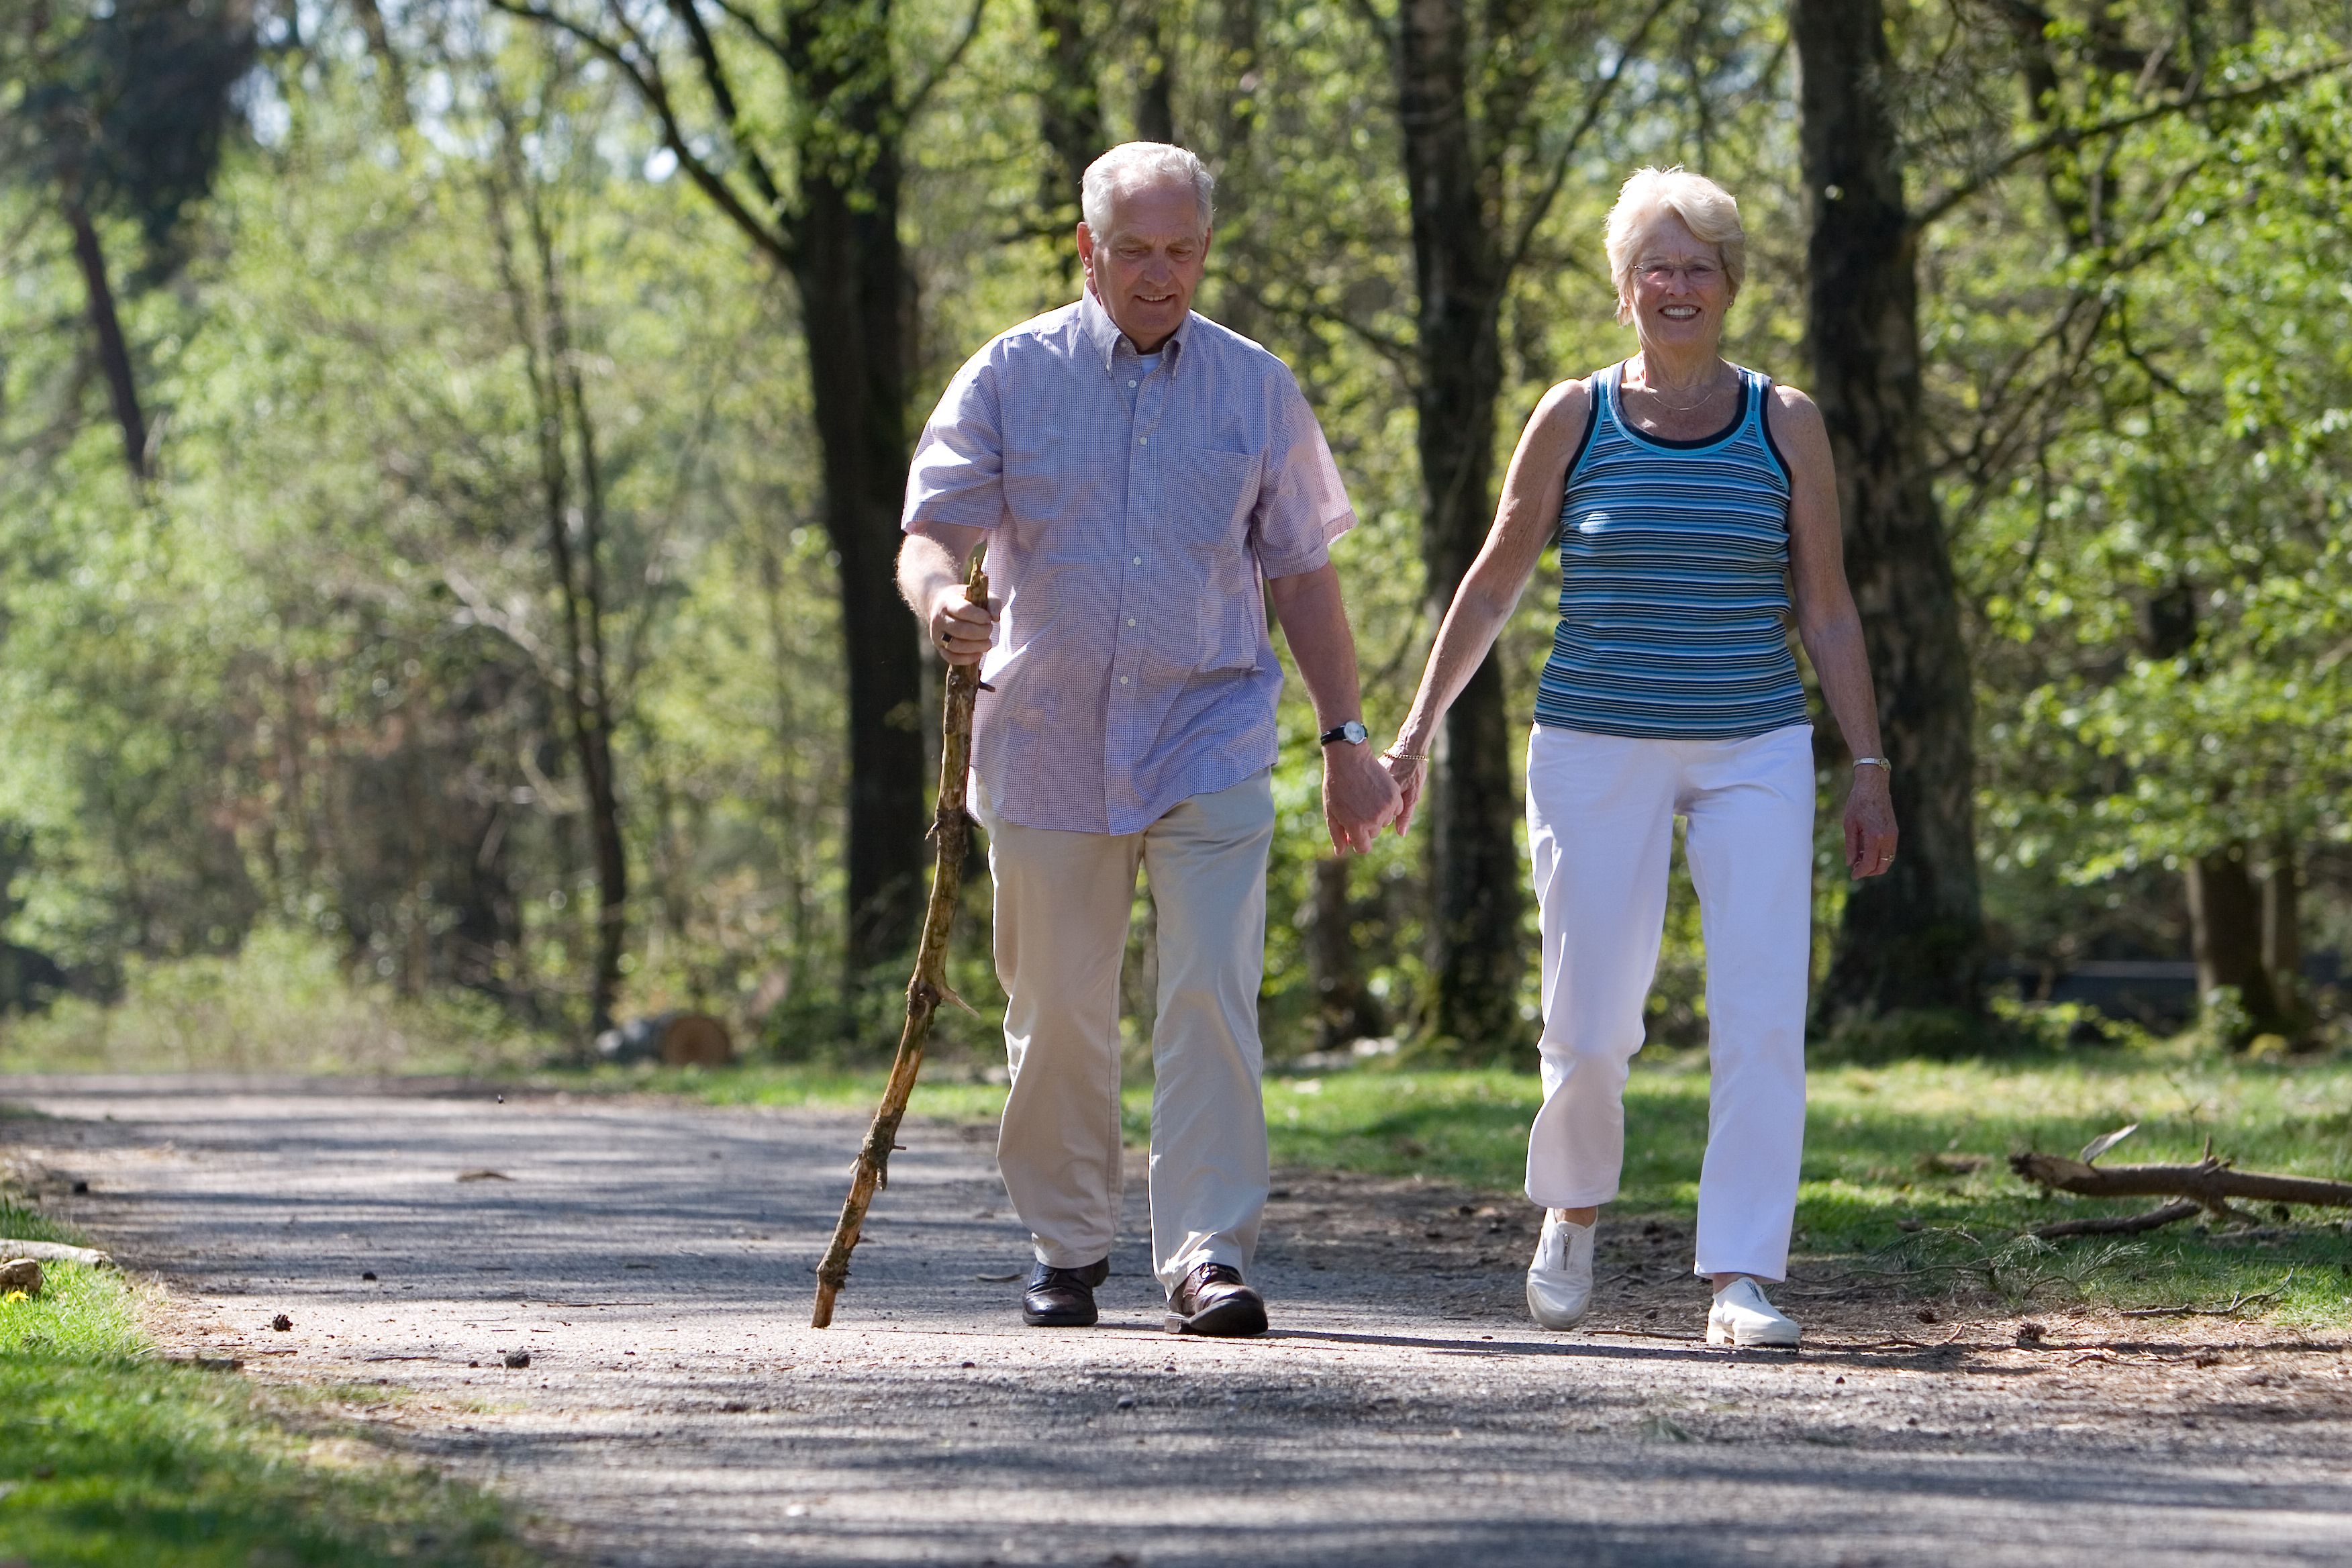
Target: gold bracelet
(1406, 756)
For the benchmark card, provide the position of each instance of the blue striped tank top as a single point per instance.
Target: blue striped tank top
(1673, 587)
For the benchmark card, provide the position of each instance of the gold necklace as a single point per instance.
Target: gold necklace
(1671, 406)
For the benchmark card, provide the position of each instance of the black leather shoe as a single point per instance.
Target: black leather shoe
(1062, 1298)
(1212, 1299)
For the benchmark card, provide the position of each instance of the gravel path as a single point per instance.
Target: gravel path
(654, 1258)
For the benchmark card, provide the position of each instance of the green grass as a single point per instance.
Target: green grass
(1874, 1195)
(110, 1456)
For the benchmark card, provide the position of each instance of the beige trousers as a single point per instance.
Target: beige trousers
(1062, 907)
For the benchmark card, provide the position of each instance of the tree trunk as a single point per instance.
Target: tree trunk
(1914, 937)
(583, 615)
(1155, 100)
(568, 455)
(858, 303)
(1346, 1009)
(2282, 929)
(1069, 114)
(1237, 74)
(1477, 892)
(835, 231)
(113, 351)
(2225, 928)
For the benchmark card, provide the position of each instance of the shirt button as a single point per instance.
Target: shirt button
(1131, 381)
(1138, 560)
(1122, 680)
(1130, 620)
(1143, 440)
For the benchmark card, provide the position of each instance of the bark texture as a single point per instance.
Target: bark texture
(1477, 893)
(1914, 937)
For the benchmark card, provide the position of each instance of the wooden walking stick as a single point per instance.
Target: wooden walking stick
(952, 831)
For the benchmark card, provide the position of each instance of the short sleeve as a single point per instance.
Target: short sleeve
(1302, 504)
(958, 473)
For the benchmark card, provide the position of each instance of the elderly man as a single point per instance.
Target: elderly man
(1135, 469)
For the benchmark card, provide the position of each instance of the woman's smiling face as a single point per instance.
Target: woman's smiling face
(1679, 289)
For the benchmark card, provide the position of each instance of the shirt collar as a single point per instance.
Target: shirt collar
(1103, 334)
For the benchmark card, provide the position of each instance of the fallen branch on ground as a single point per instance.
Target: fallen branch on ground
(54, 1252)
(2120, 1224)
(2237, 1303)
(2210, 1183)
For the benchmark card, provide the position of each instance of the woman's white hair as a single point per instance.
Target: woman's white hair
(1706, 208)
(1132, 164)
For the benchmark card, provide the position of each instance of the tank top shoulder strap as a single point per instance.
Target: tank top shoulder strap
(1759, 406)
(1600, 415)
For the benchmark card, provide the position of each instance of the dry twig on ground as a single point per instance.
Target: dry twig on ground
(2208, 1184)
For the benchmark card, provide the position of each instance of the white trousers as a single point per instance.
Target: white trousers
(1601, 812)
(1062, 906)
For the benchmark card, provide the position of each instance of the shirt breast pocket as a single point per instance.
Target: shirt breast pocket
(1214, 494)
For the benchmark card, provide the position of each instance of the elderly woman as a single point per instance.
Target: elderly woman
(1689, 497)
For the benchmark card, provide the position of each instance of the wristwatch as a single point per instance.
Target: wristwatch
(1352, 732)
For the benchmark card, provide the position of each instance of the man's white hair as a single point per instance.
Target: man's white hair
(1706, 208)
(1133, 164)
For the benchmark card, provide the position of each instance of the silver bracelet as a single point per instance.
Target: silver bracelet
(1875, 762)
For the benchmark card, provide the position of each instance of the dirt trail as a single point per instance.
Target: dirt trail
(654, 1259)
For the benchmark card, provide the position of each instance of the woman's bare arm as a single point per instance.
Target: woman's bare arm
(1525, 521)
(1828, 624)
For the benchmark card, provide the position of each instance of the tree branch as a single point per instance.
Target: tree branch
(2074, 135)
(1535, 215)
(722, 94)
(2209, 1182)
(777, 240)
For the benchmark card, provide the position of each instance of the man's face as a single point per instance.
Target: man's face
(1145, 269)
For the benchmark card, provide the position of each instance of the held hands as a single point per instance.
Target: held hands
(960, 629)
(1870, 832)
(1409, 773)
(1359, 798)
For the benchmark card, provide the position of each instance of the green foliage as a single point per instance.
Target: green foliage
(282, 1003)
(306, 679)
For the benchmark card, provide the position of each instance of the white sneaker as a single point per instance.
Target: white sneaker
(1559, 1281)
(1742, 1318)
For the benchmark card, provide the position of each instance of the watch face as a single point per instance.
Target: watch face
(1352, 732)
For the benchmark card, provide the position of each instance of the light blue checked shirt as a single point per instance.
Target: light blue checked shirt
(1131, 512)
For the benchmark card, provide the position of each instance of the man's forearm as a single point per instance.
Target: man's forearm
(931, 561)
(1315, 624)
